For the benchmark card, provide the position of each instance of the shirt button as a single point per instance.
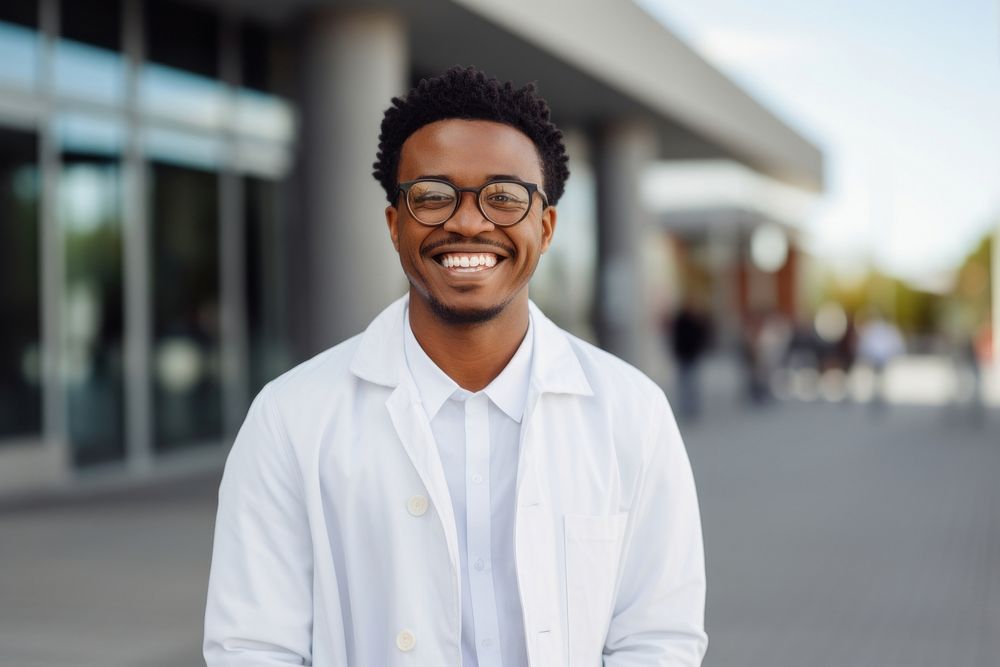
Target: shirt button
(405, 640)
(417, 505)
(487, 642)
(479, 564)
(477, 479)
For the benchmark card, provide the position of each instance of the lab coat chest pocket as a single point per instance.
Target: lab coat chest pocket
(593, 551)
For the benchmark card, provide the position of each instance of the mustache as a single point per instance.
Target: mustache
(458, 239)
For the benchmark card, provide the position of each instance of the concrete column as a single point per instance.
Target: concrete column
(623, 151)
(353, 63)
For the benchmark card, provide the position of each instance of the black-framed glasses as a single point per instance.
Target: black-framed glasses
(432, 201)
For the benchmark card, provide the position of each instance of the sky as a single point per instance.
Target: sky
(903, 98)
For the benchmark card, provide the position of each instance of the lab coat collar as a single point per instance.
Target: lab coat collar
(555, 367)
(508, 390)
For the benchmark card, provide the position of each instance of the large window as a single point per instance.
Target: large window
(20, 333)
(187, 387)
(196, 114)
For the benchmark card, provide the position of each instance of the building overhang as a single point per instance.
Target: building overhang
(594, 61)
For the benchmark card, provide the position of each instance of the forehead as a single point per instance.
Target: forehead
(469, 152)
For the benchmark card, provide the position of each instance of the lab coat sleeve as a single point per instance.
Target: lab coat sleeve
(259, 610)
(659, 612)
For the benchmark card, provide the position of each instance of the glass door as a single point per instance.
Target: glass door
(186, 353)
(93, 307)
(20, 288)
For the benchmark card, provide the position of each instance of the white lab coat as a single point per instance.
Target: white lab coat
(327, 554)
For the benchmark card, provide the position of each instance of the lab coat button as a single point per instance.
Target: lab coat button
(479, 564)
(405, 640)
(417, 505)
(477, 479)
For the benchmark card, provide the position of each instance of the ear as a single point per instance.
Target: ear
(549, 218)
(392, 221)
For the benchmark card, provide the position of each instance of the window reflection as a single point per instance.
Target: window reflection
(19, 55)
(264, 116)
(90, 133)
(20, 334)
(173, 94)
(92, 368)
(190, 149)
(185, 295)
(89, 72)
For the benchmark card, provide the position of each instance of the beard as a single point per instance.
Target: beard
(469, 317)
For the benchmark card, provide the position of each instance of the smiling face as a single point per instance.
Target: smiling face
(469, 270)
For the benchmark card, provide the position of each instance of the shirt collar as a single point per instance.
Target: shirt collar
(508, 390)
(378, 356)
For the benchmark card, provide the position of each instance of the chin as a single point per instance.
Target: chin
(465, 316)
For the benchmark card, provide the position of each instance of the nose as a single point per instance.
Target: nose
(468, 220)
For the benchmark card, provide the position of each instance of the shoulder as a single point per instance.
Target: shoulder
(614, 381)
(330, 366)
(374, 354)
(629, 411)
(309, 389)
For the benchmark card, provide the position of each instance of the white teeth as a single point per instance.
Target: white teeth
(469, 261)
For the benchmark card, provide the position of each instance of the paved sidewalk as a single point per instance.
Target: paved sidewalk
(117, 581)
(840, 538)
(834, 537)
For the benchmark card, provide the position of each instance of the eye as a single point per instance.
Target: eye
(431, 198)
(506, 196)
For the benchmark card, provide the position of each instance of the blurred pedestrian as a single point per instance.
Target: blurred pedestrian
(767, 339)
(755, 383)
(690, 333)
(879, 343)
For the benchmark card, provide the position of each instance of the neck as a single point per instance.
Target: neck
(470, 354)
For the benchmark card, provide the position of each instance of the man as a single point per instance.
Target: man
(463, 483)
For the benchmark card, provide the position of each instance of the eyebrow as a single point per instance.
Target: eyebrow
(491, 177)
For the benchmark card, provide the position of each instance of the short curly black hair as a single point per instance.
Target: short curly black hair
(467, 93)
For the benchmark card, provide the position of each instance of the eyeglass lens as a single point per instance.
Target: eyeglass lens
(503, 203)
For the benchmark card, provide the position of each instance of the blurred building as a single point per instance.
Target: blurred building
(734, 233)
(186, 205)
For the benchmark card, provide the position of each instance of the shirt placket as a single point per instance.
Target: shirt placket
(479, 530)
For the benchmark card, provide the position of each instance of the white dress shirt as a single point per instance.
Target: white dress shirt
(477, 436)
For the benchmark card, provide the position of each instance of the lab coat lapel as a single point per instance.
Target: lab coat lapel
(380, 359)
(414, 431)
